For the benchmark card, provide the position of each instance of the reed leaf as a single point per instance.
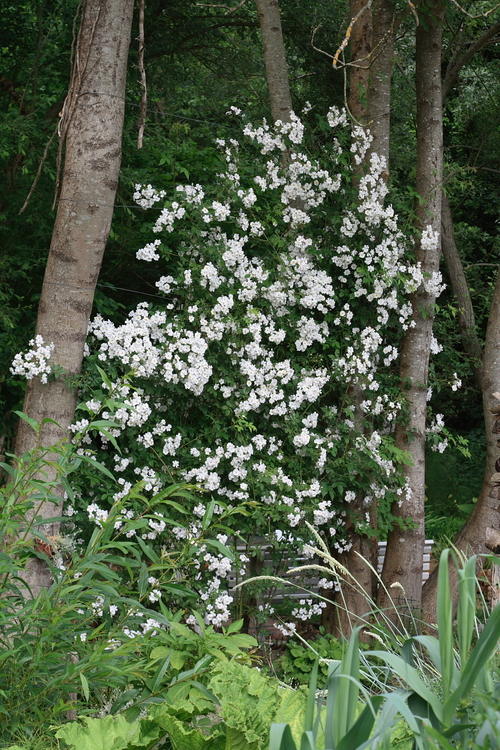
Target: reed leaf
(466, 608)
(444, 622)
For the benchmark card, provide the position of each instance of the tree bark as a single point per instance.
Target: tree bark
(354, 602)
(379, 86)
(403, 561)
(359, 69)
(485, 517)
(92, 123)
(275, 59)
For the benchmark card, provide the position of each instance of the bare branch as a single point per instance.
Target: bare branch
(317, 49)
(480, 15)
(229, 9)
(39, 170)
(456, 66)
(348, 33)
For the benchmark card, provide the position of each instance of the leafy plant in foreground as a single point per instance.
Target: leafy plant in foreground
(448, 711)
(87, 638)
(442, 688)
(235, 712)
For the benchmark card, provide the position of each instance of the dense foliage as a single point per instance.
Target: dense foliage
(288, 294)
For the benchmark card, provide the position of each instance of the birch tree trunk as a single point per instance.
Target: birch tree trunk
(403, 561)
(92, 123)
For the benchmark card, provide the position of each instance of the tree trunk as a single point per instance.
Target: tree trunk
(379, 87)
(92, 122)
(354, 602)
(485, 518)
(359, 69)
(275, 59)
(403, 561)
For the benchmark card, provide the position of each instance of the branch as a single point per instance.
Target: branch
(480, 15)
(39, 170)
(10, 88)
(453, 70)
(227, 8)
(348, 33)
(466, 318)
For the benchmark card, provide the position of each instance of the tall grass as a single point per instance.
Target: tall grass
(434, 682)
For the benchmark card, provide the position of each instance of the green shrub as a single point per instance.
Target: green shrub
(296, 664)
(88, 639)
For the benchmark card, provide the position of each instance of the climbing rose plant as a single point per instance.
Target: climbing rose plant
(285, 289)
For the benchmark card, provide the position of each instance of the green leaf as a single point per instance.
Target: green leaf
(221, 547)
(148, 551)
(477, 661)
(412, 678)
(32, 422)
(160, 673)
(85, 686)
(362, 727)
(109, 733)
(444, 623)
(311, 699)
(466, 611)
(208, 515)
(280, 738)
(178, 659)
(97, 465)
(234, 627)
(107, 382)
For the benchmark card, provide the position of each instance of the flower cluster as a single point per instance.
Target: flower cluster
(35, 362)
(290, 292)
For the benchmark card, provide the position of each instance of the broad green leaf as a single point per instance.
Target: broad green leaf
(178, 627)
(234, 627)
(109, 733)
(178, 659)
(292, 711)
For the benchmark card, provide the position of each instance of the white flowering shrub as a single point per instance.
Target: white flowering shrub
(284, 288)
